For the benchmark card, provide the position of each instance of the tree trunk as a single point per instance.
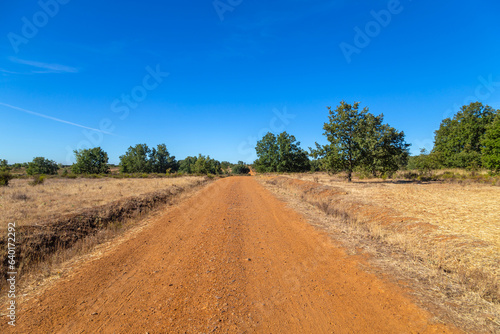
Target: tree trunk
(349, 178)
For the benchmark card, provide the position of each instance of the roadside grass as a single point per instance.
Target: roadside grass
(468, 209)
(453, 230)
(27, 205)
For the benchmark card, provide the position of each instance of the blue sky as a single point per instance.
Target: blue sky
(212, 77)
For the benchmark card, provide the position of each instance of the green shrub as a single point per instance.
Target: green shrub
(40, 165)
(4, 165)
(410, 175)
(240, 169)
(5, 177)
(38, 179)
(91, 161)
(448, 175)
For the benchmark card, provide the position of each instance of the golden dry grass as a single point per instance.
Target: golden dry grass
(467, 210)
(29, 205)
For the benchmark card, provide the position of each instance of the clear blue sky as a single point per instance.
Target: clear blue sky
(234, 71)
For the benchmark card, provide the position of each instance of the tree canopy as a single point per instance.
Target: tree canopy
(187, 165)
(4, 165)
(458, 141)
(141, 159)
(161, 161)
(90, 161)
(360, 140)
(491, 145)
(40, 165)
(200, 165)
(207, 165)
(280, 153)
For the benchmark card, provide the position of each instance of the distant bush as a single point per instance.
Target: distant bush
(4, 165)
(142, 159)
(201, 165)
(37, 180)
(91, 161)
(448, 175)
(16, 166)
(425, 163)
(410, 175)
(5, 177)
(281, 153)
(363, 173)
(40, 165)
(240, 168)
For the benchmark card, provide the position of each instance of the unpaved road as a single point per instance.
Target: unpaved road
(230, 259)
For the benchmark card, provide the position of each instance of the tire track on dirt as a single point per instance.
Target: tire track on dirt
(230, 259)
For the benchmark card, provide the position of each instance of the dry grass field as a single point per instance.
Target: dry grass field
(462, 210)
(33, 205)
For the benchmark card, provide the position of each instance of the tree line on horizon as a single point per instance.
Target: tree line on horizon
(138, 159)
(358, 141)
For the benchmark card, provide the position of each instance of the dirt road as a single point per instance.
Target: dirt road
(230, 259)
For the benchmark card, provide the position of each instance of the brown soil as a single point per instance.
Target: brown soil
(230, 259)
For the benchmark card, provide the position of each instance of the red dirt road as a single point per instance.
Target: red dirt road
(230, 259)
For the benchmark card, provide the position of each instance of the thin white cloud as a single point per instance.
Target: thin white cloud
(46, 67)
(10, 72)
(53, 118)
